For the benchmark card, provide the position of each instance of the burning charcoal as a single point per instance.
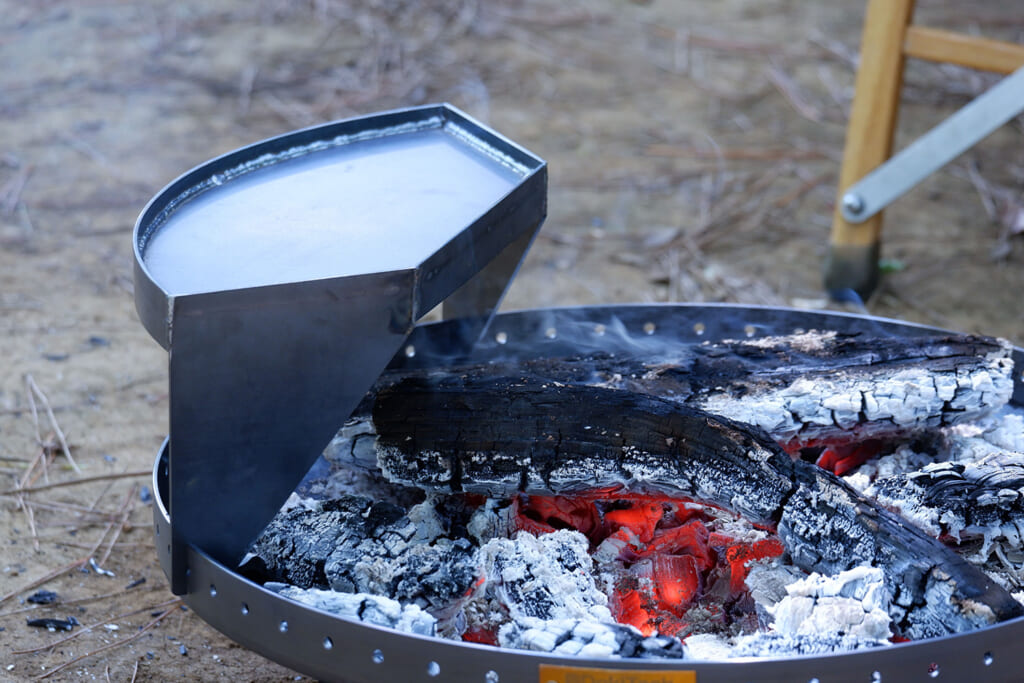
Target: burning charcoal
(854, 602)
(355, 545)
(498, 436)
(405, 558)
(963, 500)
(294, 547)
(372, 609)
(587, 639)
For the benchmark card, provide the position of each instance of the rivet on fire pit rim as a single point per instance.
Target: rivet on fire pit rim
(410, 351)
(933, 670)
(988, 659)
(283, 627)
(433, 669)
(699, 328)
(551, 333)
(599, 330)
(328, 643)
(213, 591)
(649, 327)
(378, 657)
(876, 677)
(814, 680)
(245, 608)
(491, 677)
(501, 338)
(749, 330)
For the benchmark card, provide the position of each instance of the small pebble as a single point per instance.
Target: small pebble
(183, 650)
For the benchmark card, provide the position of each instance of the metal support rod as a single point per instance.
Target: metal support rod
(935, 149)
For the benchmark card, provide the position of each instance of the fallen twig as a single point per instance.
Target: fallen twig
(75, 482)
(733, 153)
(789, 89)
(800, 190)
(126, 511)
(10, 193)
(53, 420)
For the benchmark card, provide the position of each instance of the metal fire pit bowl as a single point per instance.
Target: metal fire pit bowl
(338, 649)
(283, 278)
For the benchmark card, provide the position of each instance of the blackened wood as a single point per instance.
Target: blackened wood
(802, 388)
(496, 436)
(500, 435)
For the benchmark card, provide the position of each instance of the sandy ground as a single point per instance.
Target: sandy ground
(693, 151)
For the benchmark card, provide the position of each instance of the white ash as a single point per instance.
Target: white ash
(774, 645)
(548, 577)
(709, 647)
(805, 342)
(852, 603)
(586, 638)
(493, 519)
(1003, 429)
(767, 582)
(368, 608)
(903, 459)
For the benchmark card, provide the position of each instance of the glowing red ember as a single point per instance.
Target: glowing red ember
(672, 562)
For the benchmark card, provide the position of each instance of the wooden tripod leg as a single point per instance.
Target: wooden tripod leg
(854, 250)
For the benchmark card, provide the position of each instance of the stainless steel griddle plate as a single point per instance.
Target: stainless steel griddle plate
(338, 649)
(283, 277)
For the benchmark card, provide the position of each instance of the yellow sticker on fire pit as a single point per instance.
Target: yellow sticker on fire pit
(574, 674)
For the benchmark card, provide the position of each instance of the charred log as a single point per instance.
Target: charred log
(498, 436)
(962, 500)
(802, 388)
